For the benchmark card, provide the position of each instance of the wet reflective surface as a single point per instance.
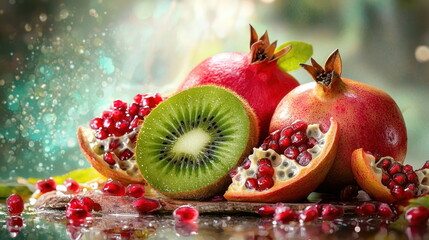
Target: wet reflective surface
(53, 225)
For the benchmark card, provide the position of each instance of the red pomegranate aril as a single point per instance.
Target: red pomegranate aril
(349, 193)
(101, 134)
(96, 123)
(395, 168)
(233, 172)
(246, 163)
(113, 188)
(412, 177)
(284, 142)
(298, 138)
(273, 145)
(114, 144)
(385, 179)
(312, 142)
(400, 178)
(118, 115)
(76, 210)
(126, 154)
(417, 215)
(186, 214)
(302, 148)
(287, 132)
(299, 126)
(251, 183)
(106, 114)
(138, 98)
(331, 212)
(146, 205)
(122, 127)
(426, 165)
(46, 185)
(133, 109)
(407, 168)
(109, 158)
(148, 101)
(366, 209)
(265, 183)
(119, 105)
(384, 164)
(89, 203)
(304, 158)
(71, 185)
(144, 111)
(391, 184)
(291, 152)
(285, 214)
(158, 98)
(398, 192)
(135, 190)
(384, 211)
(15, 204)
(265, 171)
(275, 135)
(109, 124)
(309, 214)
(264, 161)
(134, 123)
(266, 211)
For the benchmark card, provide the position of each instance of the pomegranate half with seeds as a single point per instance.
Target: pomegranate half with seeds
(386, 180)
(110, 141)
(368, 117)
(273, 174)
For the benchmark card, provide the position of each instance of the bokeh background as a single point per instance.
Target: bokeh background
(63, 62)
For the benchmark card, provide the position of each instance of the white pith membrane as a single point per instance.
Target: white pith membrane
(284, 168)
(100, 147)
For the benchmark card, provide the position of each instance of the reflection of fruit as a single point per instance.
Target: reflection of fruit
(190, 142)
(287, 180)
(109, 143)
(367, 116)
(384, 179)
(14, 225)
(255, 76)
(15, 204)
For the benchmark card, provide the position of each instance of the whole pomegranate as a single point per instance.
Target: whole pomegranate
(367, 117)
(255, 76)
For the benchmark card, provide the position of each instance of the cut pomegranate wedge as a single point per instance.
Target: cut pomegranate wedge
(386, 180)
(109, 143)
(267, 176)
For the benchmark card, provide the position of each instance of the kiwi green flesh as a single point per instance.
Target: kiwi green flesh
(192, 139)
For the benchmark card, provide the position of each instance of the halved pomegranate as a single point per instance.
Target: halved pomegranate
(276, 175)
(110, 141)
(386, 180)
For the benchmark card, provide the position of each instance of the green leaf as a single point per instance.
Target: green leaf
(299, 53)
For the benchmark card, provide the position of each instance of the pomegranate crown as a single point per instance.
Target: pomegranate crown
(262, 50)
(327, 75)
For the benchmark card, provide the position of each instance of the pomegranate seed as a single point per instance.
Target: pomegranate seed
(302, 148)
(286, 132)
(275, 135)
(377, 156)
(109, 158)
(121, 127)
(251, 183)
(391, 184)
(144, 111)
(398, 192)
(233, 172)
(46, 185)
(304, 158)
(412, 177)
(109, 124)
(417, 215)
(366, 209)
(246, 163)
(395, 168)
(312, 142)
(426, 165)
(266, 211)
(138, 98)
(407, 168)
(126, 154)
(90, 204)
(135, 123)
(265, 171)
(285, 214)
(148, 101)
(71, 185)
(291, 152)
(146, 205)
(114, 188)
(96, 123)
(119, 105)
(15, 204)
(273, 145)
(133, 109)
(101, 134)
(384, 211)
(114, 144)
(384, 164)
(76, 210)
(106, 114)
(118, 115)
(135, 190)
(265, 183)
(309, 214)
(186, 214)
(158, 98)
(264, 161)
(299, 126)
(349, 193)
(330, 212)
(298, 138)
(410, 191)
(385, 179)
(400, 178)
(284, 142)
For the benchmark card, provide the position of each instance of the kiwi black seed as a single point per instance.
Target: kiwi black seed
(189, 143)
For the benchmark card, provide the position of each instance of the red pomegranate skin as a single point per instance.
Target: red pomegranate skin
(262, 84)
(367, 117)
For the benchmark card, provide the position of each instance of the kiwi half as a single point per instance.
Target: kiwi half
(188, 144)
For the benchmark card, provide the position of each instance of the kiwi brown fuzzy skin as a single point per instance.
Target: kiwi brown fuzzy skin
(219, 186)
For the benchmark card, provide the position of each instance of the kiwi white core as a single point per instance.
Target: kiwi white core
(192, 142)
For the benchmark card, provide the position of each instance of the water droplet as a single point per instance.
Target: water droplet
(43, 17)
(64, 14)
(93, 13)
(27, 27)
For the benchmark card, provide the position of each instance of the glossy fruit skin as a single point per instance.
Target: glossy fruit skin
(262, 85)
(46, 185)
(186, 214)
(368, 118)
(417, 215)
(146, 205)
(15, 204)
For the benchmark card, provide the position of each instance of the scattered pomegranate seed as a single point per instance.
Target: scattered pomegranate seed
(15, 204)
(135, 190)
(331, 212)
(77, 210)
(46, 185)
(87, 201)
(114, 188)
(251, 183)
(417, 215)
(265, 171)
(266, 211)
(309, 214)
(285, 214)
(366, 209)
(385, 212)
(349, 192)
(109, 157)
(146, 205)
(265, 183)
(186, 214)
(71, 185)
